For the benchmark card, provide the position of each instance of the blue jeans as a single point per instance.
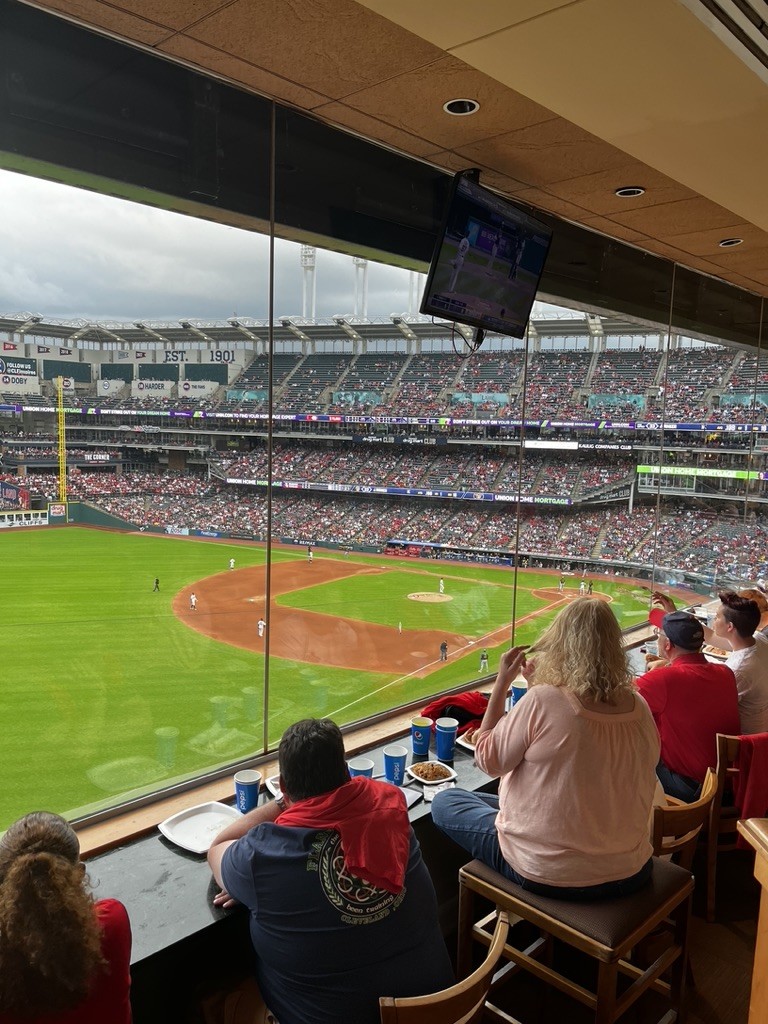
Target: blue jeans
(676, 785)
(470, 820)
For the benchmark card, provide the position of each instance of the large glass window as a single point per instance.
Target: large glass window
(288, 494)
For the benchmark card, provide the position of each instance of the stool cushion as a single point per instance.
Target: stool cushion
(608, 922)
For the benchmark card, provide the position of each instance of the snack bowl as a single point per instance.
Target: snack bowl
(442, 771)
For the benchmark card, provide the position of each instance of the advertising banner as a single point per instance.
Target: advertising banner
(197, 388)
(19, 385)
(152, 388)
(13, 495)
(109, 387)
(17, 367)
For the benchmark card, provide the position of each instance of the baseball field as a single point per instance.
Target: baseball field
(112, 688)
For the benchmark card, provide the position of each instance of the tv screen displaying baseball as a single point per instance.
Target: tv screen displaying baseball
(487, 263)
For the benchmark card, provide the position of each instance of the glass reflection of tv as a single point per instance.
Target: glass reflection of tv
(487, 262)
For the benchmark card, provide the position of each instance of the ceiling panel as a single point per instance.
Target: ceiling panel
(706, 242)
(667, 220)
(239, 71)
(373, 128)
(553, 151)
(414, 101)
(459, 21)
(116, 21)
(597, 192)
(175, 14)
(327, 45)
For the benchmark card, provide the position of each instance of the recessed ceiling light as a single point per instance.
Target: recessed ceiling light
(630, 192)
(461, 108)
(728, 243)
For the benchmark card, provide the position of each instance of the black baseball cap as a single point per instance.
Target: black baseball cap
(681, 629)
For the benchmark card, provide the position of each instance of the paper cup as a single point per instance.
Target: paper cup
(394, 764)
(360, 766)
(247, 784)
(421, 729)
(518, 692)
(445, 733)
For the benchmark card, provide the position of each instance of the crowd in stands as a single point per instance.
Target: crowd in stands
(685, 539)
(471, 469)
(686, 385)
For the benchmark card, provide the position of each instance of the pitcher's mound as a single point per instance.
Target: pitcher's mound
(429, 597)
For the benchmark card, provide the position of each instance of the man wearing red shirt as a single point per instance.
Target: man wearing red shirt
(691, 700)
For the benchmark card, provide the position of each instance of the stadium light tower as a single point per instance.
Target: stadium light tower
(361, 286)
(309, 283)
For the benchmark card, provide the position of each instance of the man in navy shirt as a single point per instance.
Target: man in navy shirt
(342, 907)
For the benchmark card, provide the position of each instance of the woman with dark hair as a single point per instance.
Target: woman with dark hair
(63, 958)
(576, 758)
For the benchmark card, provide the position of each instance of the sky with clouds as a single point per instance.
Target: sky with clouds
(71, 253)
(68, 253)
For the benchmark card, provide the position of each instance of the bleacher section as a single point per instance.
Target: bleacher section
(313, 376)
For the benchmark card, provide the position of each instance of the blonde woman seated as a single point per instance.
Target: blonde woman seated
(63, 958)
(576, 757)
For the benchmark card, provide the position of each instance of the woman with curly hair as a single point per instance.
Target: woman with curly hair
(576, 756)
(63, 958)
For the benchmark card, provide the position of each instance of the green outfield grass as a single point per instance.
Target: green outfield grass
(93, 662)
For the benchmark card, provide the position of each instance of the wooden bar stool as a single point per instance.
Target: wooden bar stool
(606, 930)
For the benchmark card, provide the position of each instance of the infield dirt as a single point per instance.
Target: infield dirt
(230, 604)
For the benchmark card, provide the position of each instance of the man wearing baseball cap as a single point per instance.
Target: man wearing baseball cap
(691, 701)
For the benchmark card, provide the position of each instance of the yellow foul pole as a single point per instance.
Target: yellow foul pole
(62, 438)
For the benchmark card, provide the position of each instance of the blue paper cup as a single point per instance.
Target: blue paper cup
(518, 692)
(247, 784)
(394, 764)
(421, 730)
(445, 732)
(360, 766)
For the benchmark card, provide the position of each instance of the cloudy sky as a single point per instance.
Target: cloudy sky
(70, 253)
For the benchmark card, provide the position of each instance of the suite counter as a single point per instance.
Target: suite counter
(183, 945)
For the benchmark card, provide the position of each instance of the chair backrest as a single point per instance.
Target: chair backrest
(727, 770)
(461, 1004)
(676, 827)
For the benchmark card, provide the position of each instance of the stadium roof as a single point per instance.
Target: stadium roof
(197, 333)
(576, 99)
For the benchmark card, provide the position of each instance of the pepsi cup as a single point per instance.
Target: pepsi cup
(394, 764)
(445, 732)
(421, 729)
(247, 784)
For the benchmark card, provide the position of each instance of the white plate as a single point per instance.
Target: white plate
(446, 778)
(273, 785)
(197, 827)
(461, 742)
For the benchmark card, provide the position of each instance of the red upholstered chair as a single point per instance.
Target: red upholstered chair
(734, 786)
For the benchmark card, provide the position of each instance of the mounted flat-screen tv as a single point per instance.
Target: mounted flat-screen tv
(487, 262)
